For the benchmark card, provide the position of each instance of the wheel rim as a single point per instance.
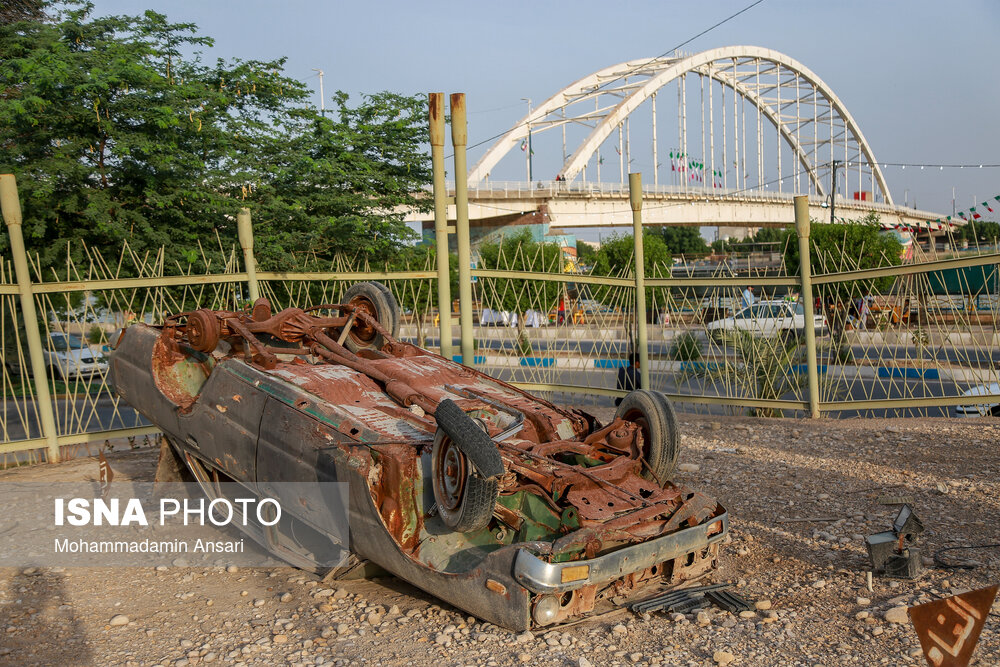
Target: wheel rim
(362, 332)
(449, 476)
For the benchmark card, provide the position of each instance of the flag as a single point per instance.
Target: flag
(961, 214)
(988, 207)
(975, 216)
(618, 150)
(524, 145)
(600, 160)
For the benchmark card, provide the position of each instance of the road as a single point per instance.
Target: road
(971, 357)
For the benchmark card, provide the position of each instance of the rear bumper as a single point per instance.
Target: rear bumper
(539, 576)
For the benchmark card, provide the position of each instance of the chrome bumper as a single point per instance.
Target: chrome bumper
(540, 577)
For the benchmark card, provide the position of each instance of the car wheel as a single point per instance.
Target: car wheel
(995, 411)
(655, 416)
(465, 501)
(374, 299)
(465, 467)
(55, 373)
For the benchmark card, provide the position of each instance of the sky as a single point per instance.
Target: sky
(920, 77)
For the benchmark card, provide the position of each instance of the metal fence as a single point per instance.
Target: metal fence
(908, 339)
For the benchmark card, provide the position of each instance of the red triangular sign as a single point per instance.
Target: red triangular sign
(949, 629)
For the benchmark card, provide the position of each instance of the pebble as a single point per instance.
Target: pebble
(689, 467)
(619, 630)
(763, 605)
(583, 662)
(723, 657)
(819, 583)
(280, 639)
(864, 602)
(285, 597)
(118, 619)
(525, 637)
(897, 615)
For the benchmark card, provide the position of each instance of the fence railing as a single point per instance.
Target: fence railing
(908, 339)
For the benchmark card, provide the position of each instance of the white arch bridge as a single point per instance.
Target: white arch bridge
(751, 127)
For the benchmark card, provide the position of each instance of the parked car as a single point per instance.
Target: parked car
(767, 318)
(68, 356)
(500, 503)
(980, 409)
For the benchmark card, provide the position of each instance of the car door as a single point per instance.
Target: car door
(222, 426)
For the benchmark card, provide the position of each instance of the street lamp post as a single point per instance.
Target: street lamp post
(833, 188)
(528, 156)
(322, 98)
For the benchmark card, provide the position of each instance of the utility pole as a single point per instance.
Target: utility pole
(528, 156)
(322, 98)
(833, 188)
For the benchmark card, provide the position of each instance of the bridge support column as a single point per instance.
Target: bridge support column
(459, 138)
(440, 223)
(641, 334)
(805, 275)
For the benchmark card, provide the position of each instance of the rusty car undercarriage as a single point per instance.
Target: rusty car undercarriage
(500, 503)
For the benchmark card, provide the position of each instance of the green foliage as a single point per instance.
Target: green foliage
(117, 135)
(857, 245)
(767, 365)
(616, 254)
(686, 347)
(616, 257)
(977, 231)
(519, 252)
(682, 240)
(585, 253)
(95, 335)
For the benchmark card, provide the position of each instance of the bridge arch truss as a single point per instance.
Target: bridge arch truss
(747, 118)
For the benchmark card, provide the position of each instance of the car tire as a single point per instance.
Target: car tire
(995, 411)
(465, 467)
(375, 299)
(655, 416)
(55, 373)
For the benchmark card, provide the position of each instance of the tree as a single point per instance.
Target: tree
(682, 240)
(12, 11)
(117, 136)
(616, 257)
(856, 245)
(518, 252)
(585, 253)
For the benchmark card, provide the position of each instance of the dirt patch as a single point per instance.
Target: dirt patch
(808, 575)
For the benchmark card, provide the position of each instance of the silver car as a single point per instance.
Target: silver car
(69, 356)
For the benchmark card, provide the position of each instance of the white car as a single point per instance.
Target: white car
(767, 318)
(68, 356)
(982, 409)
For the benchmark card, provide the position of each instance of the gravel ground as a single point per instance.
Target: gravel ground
(807, 577)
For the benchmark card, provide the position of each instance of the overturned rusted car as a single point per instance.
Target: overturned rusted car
(498, 502)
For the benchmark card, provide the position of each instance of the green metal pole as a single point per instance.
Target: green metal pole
(245, 229)
(441, 222)
(802, 229)
(642, 341)
(459, 138)
(11, 207)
